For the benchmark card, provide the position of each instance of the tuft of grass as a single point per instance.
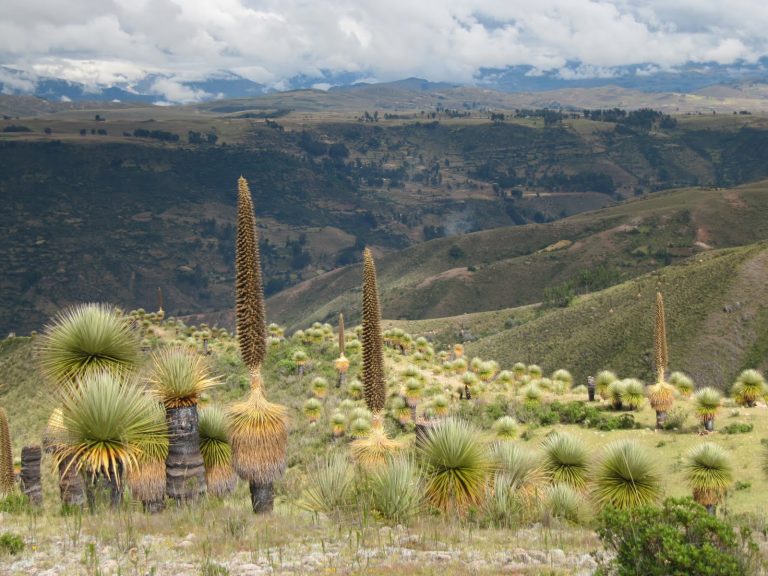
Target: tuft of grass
(331, 483)
(396, 490)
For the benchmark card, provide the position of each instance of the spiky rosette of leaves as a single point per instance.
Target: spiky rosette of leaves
(707, 403)
(372, 451)
(626, 477)
(602, 381)
(312, 409)
(457, 465)
(359, 427)
(505, 428)
(220, 476)
(258, 435)
(355, 389)
(565, 502)
(458, 350)
(661, 396)
(615, 393)
(633, 394)
(147, 481)
(441, 405)
(319, 387)
(683, 383)
(106, 425)
(374, 385)
(397, 492)
(519, 369)
(749, 387)
(564, 377)
(249, 291)
(660, 339)
(6, 456)
(87, 338)
(179, 376)
(520, 467)
(299, 357)
(565, 460)
(338, 424)
(708, 472)
(535, 371)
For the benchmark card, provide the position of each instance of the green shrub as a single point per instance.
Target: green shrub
(676, 418)
(11, 543)
(676, 539)
(737, 428)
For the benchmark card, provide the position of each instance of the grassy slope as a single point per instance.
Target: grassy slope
(509, 268)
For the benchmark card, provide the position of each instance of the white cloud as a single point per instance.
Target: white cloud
(173, 91)
(16, 81)
(268, 41)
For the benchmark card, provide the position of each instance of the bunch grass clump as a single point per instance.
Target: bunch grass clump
(604, 379)
(505, 428)
(564, 502)
(331, 484)
(396, 489)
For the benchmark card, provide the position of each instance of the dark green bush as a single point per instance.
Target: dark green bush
(737, 428)
(10, 543)
(679, 539)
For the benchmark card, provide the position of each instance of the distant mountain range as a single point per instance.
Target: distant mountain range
(168, 89)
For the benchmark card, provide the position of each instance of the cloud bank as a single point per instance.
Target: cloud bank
(269, 41)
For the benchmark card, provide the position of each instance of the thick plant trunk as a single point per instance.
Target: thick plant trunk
(101, 489)
(30, 474)
(71, 485)
(184, 469)
(342, 379)
(709, 425)
(262, 497)
(661, 419)
(467, 393)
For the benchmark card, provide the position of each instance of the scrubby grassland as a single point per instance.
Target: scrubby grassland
(348, 536)
(145, 183)
(515, 266)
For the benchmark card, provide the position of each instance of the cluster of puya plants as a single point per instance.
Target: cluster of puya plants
(392, 424)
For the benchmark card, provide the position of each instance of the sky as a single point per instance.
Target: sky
(104, 41)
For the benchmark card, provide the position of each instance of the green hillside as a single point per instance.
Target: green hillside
(516, 266)
(716, 322)
(149, 187)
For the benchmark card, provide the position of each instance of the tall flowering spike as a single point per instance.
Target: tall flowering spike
(341, 334)
(6, 457)
(374, 387)
(660, 339)
(251, 316)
